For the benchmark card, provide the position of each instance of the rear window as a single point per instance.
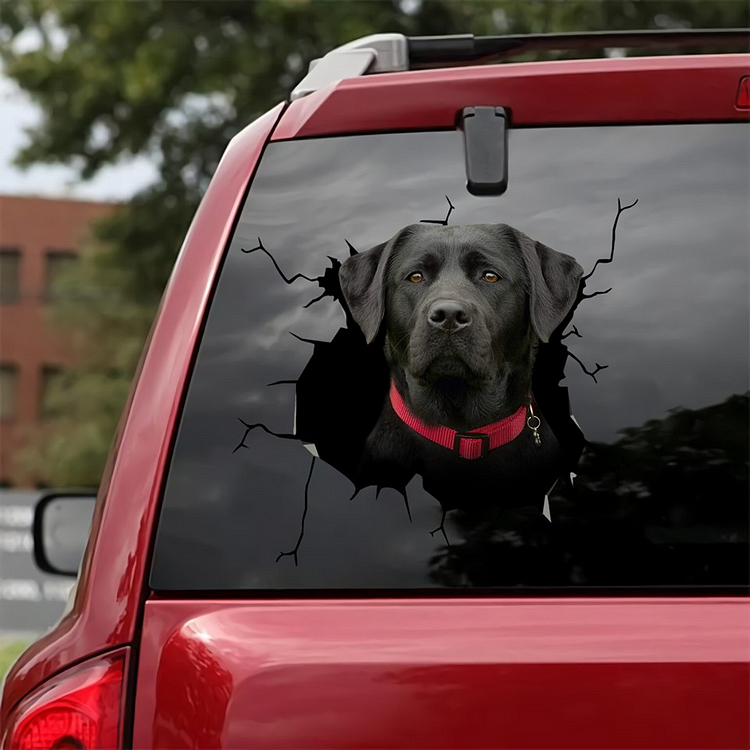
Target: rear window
(292, 468)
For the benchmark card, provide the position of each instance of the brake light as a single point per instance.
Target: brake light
(743, 94)
(79, 710)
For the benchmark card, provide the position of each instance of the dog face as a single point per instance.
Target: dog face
(455, 306)
(464, 306)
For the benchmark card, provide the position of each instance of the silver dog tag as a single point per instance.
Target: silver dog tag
(534, 423)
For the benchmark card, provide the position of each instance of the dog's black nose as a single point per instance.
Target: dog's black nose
(449, 315)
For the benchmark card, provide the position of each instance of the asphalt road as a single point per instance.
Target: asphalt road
(30, 601)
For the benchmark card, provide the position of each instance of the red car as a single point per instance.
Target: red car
(265, 570)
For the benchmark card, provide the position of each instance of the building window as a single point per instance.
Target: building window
(50, 387)
(57, 265)
(10, 282)
(8, 391)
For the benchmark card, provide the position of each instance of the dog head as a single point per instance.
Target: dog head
(464, 306)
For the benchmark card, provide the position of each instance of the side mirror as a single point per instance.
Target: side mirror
(62, 522)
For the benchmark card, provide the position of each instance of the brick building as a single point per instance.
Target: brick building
(39, 237)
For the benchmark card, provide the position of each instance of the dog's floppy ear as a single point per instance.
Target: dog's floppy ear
(554, 279)
(362, 279)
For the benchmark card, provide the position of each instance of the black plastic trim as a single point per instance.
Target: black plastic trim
(501, 592)
(485, 132)
(426, 51)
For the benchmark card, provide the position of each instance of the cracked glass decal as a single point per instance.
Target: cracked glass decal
(458, 402)
(460, 360)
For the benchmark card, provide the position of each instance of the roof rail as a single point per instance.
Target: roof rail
(388, 53)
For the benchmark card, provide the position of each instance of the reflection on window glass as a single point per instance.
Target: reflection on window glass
(403, 386)
(58, 264)
(8, 391)
(10, 264)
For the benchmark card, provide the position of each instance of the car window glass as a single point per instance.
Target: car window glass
(262, 489)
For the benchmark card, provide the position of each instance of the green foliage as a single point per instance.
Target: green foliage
(9, 652)
(175, 80)
(638, 506)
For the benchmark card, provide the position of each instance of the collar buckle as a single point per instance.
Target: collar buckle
(484, 437)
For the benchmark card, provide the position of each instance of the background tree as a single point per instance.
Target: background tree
(665, 502)
(175, 80)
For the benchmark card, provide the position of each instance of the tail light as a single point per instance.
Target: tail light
(78, 710)
(743, 94)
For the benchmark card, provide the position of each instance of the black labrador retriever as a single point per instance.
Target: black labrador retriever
(464, 310)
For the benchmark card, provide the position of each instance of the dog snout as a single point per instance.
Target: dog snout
(449, 315)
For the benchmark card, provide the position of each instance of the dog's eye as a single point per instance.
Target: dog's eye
(490, 277)
(415, 277)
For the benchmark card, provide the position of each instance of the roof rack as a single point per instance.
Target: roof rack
(389, 53)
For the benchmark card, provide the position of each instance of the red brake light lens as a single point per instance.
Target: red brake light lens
(743, 94)
(79, 710)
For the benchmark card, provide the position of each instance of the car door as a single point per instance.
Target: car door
(290, 607)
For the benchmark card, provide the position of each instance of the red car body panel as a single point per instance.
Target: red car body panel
(114, 573)
(460, 673)
(576, 92)
(399, 672)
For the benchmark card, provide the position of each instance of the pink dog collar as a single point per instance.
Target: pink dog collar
(470, 445)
